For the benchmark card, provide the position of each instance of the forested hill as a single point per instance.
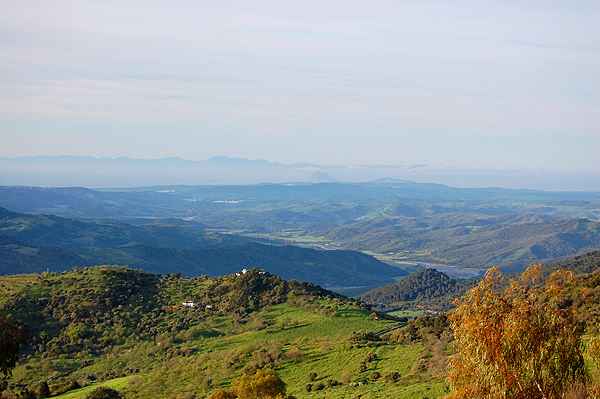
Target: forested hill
(425, 289)
(327, 268)
(429, 289)
(76, 235)
(100, 323)
(582, 264)
(509, 241)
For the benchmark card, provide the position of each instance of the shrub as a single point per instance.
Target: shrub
(362, 367)
(104, 393)
(375, 375)
(311, 376)
(27, 394)
(43, 389)
(371, 357)
(363, 336)
(331, 383)
(347, 377)
(265, 383)
(392, 376)
(221, 394)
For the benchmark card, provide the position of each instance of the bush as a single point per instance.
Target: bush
(27, 394)
(331, 383)
(43, 389)
(362, 367)
(375, 375)
(363, 336)
(319, 386)
(308, 387)
(104, 393)
(311, 376)
(347, 377)
(265, 383)
(221, 394)
(371, 357)
(392, 376)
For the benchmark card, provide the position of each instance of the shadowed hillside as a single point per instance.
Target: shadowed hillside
(77, 235)
(327, 268)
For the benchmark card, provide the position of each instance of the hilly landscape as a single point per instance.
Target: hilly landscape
(477, 241)
(395, 220)
(299, 200)
(185, 292)
(51, 243)
(130, 330)
(322, 202)
(151, 336)
(75, 235)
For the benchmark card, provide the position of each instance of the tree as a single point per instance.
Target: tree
(104, 393)
(43, 390)
(221, 394)
(516, 341)
(12, 336)
(264, 384)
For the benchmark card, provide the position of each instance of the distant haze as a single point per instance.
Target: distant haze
(126, 172)
(462, 86)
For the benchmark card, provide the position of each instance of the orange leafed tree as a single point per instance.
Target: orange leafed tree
(516, 341)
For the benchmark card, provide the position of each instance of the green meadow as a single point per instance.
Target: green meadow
(128, 330)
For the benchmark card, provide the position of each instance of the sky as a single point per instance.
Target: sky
(488, 85)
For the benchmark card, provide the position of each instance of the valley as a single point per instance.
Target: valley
(395, 220)
(178, 292)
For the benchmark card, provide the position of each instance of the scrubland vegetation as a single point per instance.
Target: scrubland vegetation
(116, 324)
(131, 331)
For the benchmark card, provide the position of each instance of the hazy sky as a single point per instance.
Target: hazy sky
(477, 84)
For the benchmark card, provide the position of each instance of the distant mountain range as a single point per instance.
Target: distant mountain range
(68, 170)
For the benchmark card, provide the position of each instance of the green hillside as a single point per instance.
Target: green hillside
(76, 235)
(426, 289)
(130, 330)
(509, 241)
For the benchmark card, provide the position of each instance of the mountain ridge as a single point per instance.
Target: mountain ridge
(70, 170)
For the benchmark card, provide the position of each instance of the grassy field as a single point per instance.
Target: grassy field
(119, 384)
(407, 313)
(321, 340)
(200, 351)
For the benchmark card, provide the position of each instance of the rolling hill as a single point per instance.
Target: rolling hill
(323, 202)
(76, 235)
(130, 330)
(327, 268)
(433, 291)
(509, 241)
